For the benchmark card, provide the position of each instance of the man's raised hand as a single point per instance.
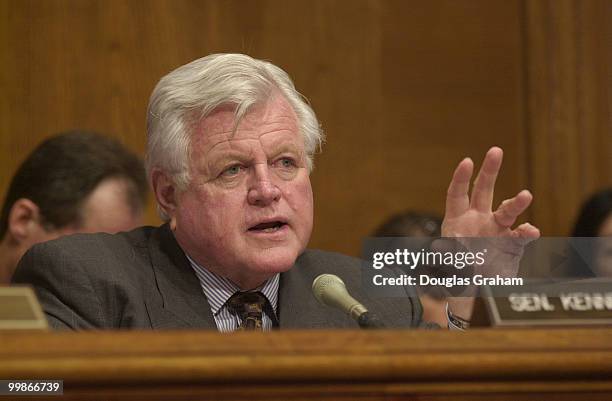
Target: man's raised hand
(474, 217)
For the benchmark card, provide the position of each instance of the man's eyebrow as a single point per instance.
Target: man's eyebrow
(283, 146)
(228, 156)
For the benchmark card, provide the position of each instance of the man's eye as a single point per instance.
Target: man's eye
(232, 171)
(286, 162)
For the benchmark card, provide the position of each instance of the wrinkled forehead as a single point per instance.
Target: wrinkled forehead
(270, 122)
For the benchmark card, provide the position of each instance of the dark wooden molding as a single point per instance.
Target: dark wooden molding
(515, 364)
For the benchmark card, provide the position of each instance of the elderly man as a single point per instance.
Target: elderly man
(230, 148)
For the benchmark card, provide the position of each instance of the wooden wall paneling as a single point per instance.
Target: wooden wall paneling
(447, 82)
(593, 98)
(568, 73)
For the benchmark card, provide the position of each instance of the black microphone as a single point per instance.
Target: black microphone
(330, 290)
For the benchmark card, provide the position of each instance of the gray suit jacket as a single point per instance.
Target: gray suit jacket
(142, 279)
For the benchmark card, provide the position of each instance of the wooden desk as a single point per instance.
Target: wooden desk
(483, 364)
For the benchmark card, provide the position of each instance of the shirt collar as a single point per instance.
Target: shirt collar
(219, 289)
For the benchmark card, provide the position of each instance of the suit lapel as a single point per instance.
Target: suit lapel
(178, 299)
(299, 309)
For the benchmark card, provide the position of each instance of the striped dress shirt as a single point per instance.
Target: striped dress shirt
(218, 291)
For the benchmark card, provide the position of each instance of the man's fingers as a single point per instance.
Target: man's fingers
(484, 186)
(510, 209)
(457, 198)
(527, 230)
(527, 233)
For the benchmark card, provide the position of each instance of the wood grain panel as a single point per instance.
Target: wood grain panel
(366, 365)
(568, 43)
(427, 84)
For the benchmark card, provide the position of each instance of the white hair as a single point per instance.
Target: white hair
(197, 89)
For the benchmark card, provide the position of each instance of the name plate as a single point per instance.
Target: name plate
(20, 310)
(586, 302)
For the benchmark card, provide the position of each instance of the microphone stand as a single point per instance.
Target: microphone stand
(369, 321)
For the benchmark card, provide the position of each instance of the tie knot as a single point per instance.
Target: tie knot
(249, 307)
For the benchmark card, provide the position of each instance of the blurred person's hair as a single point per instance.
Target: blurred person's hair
(63, 170)
(410, 224)
(415, 224)
(593, 212)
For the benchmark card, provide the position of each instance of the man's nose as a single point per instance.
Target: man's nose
(262, 190)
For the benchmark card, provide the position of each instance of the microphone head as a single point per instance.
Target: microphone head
(330, 290)
(323, 283)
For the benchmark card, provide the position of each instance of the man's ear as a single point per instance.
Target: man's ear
(23, 220)
(165, 193)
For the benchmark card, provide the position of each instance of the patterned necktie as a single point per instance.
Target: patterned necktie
(249, 306)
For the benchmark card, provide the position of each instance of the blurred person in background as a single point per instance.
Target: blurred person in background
(595, 217)
(72, 182)
(594, 220)
(414, 224)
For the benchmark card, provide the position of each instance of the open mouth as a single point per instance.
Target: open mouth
(268, 227)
